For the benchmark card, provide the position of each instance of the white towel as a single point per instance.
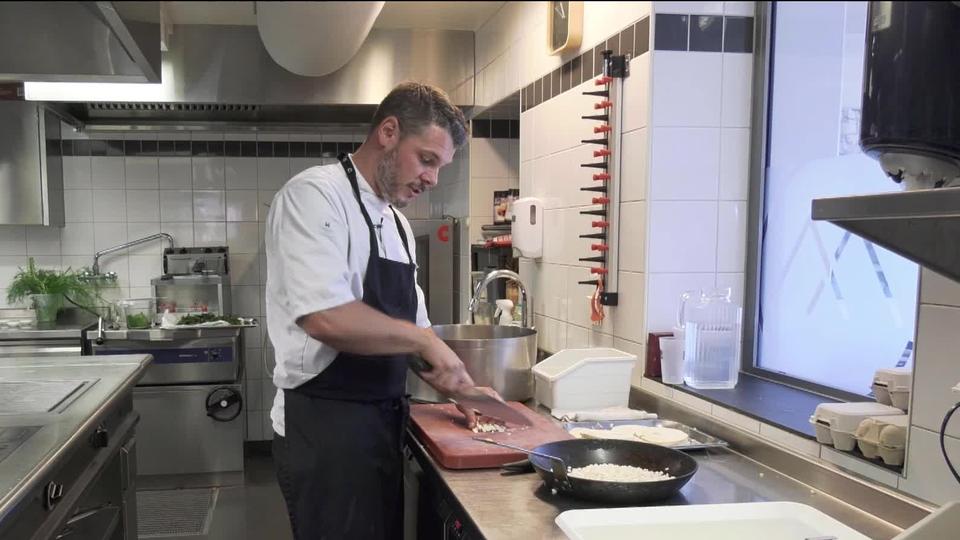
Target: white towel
(602, 415)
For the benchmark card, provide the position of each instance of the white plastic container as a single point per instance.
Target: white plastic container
(892, 387)
(884, 437)
(837, 423)
(584, 379)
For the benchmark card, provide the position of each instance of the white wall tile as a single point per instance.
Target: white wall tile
(731, 236)
(142, 172)
(76, 172)
(107, 235)
(182, 232)
(142, 230)
(629, 315)
(636, 94)
(42, 241)
(734, 164)
(209, 206)
(859, 466)
(78, 205)
(175, 173)
(77, 239)
(937, 368)
(527, 136)
(686, 89)
(577, 337)
(241, 172)
(926, 473)
(298, 165)
(13, 240)
(789, 440)
(551, 298)
(692, 225)
(143, 268)
(664, 297)
(481, 194)
(698, 8)
(208, 173)
(176, 206)
(490, 158)
(143, 205)
(634, 165)
(109, 205)
(685, 164)
(8, 267)
(633, 236)
(242, 205)
(736, 419)
(264, 200)
(244, 269)
(936, 289)
(737, 89)
(599, 339)
(246, 300)
(210, 234)
(107, 172)
(273, 173)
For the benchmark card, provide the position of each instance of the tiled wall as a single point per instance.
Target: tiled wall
(213, 190)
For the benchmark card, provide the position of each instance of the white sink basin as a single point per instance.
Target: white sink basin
(744, 521)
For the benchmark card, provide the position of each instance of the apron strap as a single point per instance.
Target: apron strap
(403, 234)
(352, 177)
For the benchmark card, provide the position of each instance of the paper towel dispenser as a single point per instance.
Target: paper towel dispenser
(527, 227)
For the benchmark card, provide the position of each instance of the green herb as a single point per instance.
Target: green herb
(207, 317)
(32, 280)
(138, 320)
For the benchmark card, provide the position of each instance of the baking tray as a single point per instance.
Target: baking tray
(698, 439)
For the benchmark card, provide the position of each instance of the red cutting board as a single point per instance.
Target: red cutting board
(443, 430)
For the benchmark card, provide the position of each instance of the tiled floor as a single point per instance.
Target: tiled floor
(253, 511)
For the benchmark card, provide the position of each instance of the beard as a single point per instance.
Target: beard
(387, 181)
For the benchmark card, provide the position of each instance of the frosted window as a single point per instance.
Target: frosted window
(833, 307)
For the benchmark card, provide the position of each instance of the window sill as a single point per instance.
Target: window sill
(769, 402)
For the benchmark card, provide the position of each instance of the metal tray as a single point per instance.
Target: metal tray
(698, 439)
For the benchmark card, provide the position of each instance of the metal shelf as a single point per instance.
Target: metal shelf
(921, 225)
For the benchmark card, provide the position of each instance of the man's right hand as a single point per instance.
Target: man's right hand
(447, 375)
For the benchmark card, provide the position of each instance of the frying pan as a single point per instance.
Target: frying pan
(582, 452)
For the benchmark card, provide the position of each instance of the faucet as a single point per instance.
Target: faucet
(502, 274)
(101, 253)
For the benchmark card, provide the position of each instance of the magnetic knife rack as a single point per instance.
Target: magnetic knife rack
(606, 182)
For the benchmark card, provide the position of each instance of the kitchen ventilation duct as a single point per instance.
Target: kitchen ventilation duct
(315, 38)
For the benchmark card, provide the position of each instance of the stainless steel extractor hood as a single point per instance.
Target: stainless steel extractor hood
(921, 225)
(80, 41)
(223, 73)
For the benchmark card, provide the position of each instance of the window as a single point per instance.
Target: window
(831, 307)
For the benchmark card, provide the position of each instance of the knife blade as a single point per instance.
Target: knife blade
(476, 399)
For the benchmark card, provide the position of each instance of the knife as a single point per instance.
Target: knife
(476, 399)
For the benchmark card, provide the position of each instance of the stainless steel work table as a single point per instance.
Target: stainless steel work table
(109, 377)
(511, 507)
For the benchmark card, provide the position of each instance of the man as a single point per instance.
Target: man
(345, 314)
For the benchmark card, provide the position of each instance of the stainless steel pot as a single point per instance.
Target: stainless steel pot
(500, 357)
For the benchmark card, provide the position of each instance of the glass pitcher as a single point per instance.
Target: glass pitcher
(711, 339)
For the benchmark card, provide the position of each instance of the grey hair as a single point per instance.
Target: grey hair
(417, 106)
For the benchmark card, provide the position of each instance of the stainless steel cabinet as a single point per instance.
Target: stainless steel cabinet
(31, 169)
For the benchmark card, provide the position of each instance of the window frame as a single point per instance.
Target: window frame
(763, 69)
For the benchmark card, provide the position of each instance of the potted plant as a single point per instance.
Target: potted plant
(47, 289)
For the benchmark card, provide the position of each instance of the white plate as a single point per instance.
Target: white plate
(741, 521)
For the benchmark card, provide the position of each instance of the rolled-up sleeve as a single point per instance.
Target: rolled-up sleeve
(310, 240)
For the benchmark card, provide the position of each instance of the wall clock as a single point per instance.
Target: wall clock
(564, 26)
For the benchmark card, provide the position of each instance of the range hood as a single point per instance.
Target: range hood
(223, 73)
(80, 41)
(921, 225)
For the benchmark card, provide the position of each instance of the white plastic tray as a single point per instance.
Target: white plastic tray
(741, 521)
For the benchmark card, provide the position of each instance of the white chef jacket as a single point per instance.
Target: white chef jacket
(318, 246)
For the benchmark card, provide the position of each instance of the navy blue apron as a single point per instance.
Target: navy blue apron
(340, 463)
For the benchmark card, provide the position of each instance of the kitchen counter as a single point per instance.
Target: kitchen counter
(38, 441)
(70, 325)
(510, 507)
